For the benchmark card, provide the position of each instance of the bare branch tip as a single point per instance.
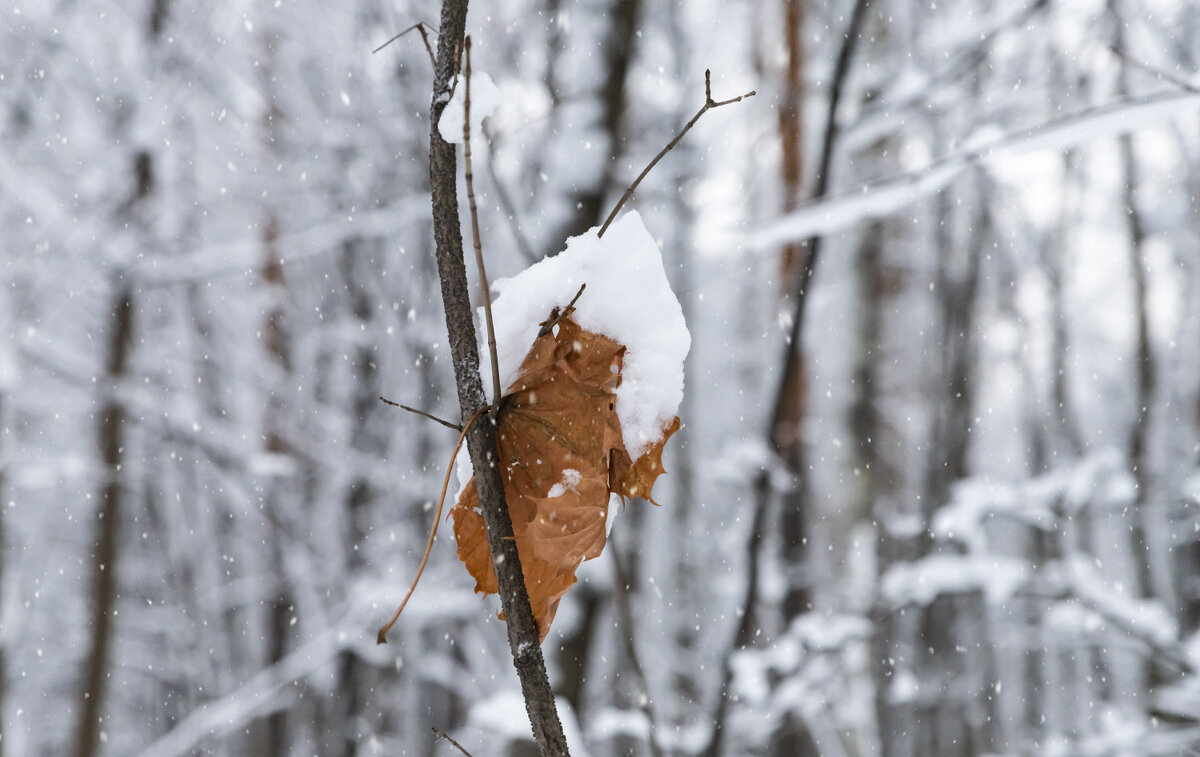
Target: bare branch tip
(422, 413)
(439, 733)
(578, 294)
(420, 27)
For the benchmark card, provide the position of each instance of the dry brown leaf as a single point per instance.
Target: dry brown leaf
(560, 440)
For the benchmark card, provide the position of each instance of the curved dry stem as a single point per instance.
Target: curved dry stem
(475, 237)
(381, 637)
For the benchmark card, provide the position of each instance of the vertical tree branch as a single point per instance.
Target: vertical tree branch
(481, 440)
(788, 413)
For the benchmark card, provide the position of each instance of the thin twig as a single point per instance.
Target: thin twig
(420, 27)
(381, 637)
(557, 313)
(445, 423)
(443, 735)
(483, 280)
(709, 104)
(575, 299)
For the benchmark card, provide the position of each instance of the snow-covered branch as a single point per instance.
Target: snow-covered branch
(886, 197)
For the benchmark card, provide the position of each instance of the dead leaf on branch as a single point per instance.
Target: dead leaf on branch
(561, 443)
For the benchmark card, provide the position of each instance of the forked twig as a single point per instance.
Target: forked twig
(483, 281)
(445, 423)
(709, 104)
(443, 735)
(420, 27)
(381, 637)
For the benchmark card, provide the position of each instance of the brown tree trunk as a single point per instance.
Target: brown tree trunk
(111, 442)
(785, 432)
(791, 132)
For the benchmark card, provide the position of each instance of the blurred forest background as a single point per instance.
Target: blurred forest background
(938, 488)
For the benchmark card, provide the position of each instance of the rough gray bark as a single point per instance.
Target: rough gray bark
(481, 439)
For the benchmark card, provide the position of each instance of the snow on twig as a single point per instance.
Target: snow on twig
(885, 197)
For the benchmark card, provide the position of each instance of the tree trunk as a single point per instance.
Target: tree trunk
(111, 441)
(786, 429)
(618, 48)
(791, 133)
(957, 288)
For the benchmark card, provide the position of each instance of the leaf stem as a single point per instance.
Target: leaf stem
(381, 637)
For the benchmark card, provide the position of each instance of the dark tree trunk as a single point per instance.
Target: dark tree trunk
(786, 429)
(957, 288)
(618, 49)
(111, 442)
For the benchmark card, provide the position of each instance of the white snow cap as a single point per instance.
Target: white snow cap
(627, 299)
(485, 96)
